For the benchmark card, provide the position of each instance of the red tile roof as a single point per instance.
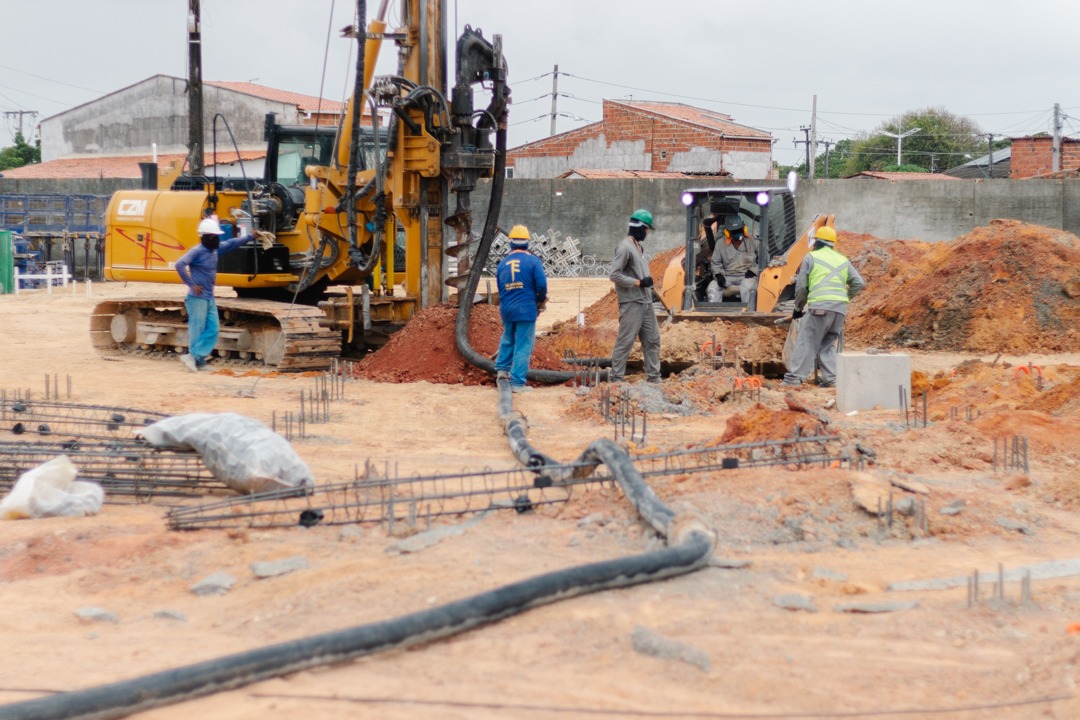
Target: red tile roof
(902, 176)
(695, 116)
(111, 166)
(306, 103)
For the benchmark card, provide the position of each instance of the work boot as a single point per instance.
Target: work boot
(520, 388)
(189, 362)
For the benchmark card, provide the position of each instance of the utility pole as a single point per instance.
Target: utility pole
(806, 134)
(554, 98)
(1056, 167)
(900, 141)
(813, 139)
(827, 144)
(194, 89)
(990, 155)
(20, 113)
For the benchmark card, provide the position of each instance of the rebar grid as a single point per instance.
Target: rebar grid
(371, 498)
(127, 471)
(796, 453)
(50, 418)
(390, 500)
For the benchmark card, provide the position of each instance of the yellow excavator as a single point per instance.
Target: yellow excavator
(343, 215)
(768, 214)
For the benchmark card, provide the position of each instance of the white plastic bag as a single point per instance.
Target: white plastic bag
(51, 490)
(712, 292)
(788, 354)
(240, 451)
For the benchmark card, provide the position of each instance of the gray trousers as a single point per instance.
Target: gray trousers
(636, 320)
(817, 339)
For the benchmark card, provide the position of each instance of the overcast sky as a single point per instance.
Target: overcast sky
(1002, 64)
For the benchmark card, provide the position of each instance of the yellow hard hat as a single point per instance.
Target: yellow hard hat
(519, 232)
(826, 234)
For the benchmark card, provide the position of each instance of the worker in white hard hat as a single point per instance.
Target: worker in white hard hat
(522, 296)
(824, 286)
(198, 270)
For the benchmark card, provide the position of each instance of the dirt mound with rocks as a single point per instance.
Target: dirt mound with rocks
(425, 349)
(1007, 287)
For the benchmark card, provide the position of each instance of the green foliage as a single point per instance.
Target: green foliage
(905, 168)
(944, 141)
(20, 154)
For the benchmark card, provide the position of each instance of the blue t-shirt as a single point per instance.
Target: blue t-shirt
(202, 264)
(522, 286)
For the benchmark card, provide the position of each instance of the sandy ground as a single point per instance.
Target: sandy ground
(797, 531)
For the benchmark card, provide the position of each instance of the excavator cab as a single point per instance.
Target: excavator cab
(768, 214)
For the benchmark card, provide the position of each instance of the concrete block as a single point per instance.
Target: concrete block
(865, 381)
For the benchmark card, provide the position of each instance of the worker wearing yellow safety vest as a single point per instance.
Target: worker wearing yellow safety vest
(824, 286)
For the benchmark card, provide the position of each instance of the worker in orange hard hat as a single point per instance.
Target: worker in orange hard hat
(522, 295)
(824, 286)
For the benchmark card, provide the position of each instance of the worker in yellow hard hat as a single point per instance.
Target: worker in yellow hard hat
(522, 295)
(824, 286)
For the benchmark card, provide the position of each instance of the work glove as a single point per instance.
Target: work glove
(541, 306)
(721, 281)
(646, 282)
(796, 314)
(749, 274)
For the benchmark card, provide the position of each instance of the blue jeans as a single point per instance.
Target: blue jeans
(515, 349)
(202, 326)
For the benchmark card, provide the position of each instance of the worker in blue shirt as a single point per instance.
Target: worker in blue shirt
(522, 295)
(198, 270)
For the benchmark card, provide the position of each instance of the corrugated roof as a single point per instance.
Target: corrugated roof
(600, 173)
(901, 176)
(111, 166)
(697, 116)
(306, 103)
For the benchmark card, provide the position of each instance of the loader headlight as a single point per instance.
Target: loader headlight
(763, 198)
(687, 199)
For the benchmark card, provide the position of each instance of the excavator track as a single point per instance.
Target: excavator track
(260, 333)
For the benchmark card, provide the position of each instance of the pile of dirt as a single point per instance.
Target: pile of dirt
(1007, 287)
(760, 423)
(425, 349)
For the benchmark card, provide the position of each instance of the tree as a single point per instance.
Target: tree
(943, 141)
(20, 154)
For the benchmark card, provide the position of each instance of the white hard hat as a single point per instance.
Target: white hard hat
(210, 226)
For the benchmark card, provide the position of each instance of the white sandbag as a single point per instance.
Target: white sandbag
(241, 452)
(51, 490)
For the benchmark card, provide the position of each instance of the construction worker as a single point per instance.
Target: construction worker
(633, 288)
(522, 296)
(825, 284)
(198, 270)
(734, 261)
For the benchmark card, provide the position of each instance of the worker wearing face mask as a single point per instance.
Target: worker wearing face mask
(198, 270)
(634, 290)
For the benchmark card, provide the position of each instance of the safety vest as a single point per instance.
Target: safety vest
(828, 277)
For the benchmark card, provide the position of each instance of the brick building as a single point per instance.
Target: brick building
(1034, 156)
(651, 136)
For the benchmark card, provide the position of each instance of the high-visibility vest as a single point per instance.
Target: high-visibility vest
(828, 277)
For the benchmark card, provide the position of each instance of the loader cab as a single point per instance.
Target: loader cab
(769, 215)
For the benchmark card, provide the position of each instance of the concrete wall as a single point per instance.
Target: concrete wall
(596, 211)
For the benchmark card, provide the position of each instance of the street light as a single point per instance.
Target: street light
(900, 140)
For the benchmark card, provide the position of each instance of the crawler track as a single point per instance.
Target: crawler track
(260, 333)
